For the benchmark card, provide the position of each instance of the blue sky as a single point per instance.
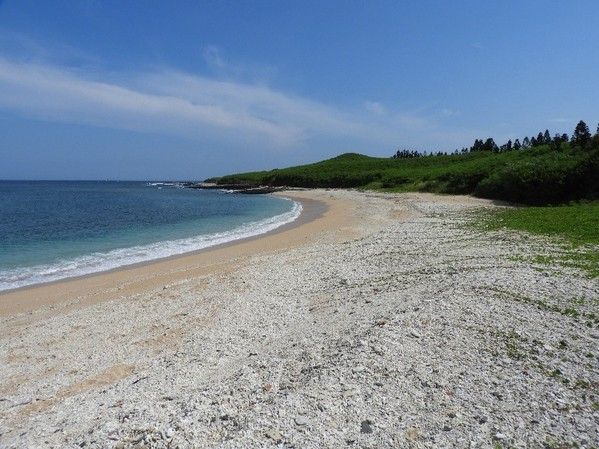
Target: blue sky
(187, 90)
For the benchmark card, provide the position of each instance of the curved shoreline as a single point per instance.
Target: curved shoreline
(136, 255)
(388, 313)
(104, 283)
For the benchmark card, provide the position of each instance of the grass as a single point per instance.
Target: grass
(589, 318)
(580, 259)
(538, 175)
(578, 223)
(541, 175)
(576, 226)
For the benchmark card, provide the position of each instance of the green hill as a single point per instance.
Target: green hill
(543, 174)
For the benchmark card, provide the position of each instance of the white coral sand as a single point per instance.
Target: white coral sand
(412, 329)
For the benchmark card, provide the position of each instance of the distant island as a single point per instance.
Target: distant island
(539, 170)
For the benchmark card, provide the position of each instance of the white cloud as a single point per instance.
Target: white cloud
(169, 101)
(55, 94)
(375, 107)
(224, 69)
(213, 57)
(447, 112)
(22, 47)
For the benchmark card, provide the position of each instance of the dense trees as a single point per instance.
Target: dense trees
(581, 138)
(517, 145)
(559, 169)
(487, 145)
(406, 154)
(581, 135)
(541, 170)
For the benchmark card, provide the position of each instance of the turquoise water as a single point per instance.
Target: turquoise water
(53, 230)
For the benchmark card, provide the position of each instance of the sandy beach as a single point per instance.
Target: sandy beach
(147, 276)
(375, 320)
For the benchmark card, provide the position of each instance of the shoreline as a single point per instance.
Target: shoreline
(21, 299)
(296, 222)
(388, 322)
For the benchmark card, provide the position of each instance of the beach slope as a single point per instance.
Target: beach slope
(382, 321)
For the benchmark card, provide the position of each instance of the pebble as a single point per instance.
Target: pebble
(301, 421)
(424, 355)
(274, 435)
(366, 426)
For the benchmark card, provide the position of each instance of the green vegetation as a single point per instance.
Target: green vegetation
(578, 223)
(575, 226)
(589, 318)
(541, 170)
(584, 259)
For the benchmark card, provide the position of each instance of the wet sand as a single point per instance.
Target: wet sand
(318, 215)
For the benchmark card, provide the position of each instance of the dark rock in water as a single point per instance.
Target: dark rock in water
(260, 190)
(214, 186)
(366, 426)
(237, 188)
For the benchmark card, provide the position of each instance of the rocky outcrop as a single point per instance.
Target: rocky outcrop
(236, 188)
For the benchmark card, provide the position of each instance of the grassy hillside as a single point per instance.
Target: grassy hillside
(542, 174)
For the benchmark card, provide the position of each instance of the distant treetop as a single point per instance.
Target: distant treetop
(580, 138)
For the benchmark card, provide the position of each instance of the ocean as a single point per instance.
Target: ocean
(52, 230)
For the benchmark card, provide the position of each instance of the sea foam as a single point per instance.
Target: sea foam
(104, 261)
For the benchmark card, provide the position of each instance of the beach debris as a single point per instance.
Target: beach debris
(301, 420)
(274, 435)
(415, 334)
(366, 426)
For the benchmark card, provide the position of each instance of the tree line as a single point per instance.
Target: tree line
(581, 137)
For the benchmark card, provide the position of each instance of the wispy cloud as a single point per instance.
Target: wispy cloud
(213, 57)
(23, 48)
(375, 107)
(170, 101)
(223, 68)
(447, 112)
(561, 120)
(54, 94)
